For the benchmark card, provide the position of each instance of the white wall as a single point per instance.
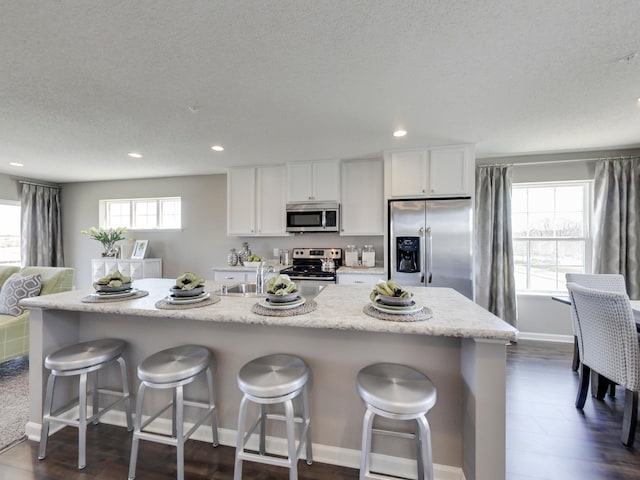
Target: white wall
(200, 245)
(9, 188)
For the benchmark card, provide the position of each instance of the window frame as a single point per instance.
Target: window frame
(15, 203)
(587, 237)
(104, 218)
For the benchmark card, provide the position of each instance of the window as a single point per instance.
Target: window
(550, 228)
(9, 233)
(141, 213)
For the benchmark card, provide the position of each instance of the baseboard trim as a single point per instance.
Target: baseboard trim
(545, 337)
(343, 457)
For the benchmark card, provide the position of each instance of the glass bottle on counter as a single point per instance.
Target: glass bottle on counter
(351, 256)
(244, 253)
(232, 257)
(368, 256)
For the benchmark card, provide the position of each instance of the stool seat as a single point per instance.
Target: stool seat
(86, 354)
(273, 375)
(274, 381)
(396, 389)
(174, 364)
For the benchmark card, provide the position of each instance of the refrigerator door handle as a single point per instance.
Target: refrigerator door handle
(422, 247)
(429, 256)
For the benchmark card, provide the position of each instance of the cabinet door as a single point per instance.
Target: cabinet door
(110, 266)
(408, 173)
(229, 276)
(270, 207)
(326, 181)
(448, 173)
(299, 182)
(241, 201)
(357, 279)
(362, 197)
(124, 267)
(137, 269)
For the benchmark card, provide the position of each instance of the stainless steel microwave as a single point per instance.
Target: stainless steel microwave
(313, 217)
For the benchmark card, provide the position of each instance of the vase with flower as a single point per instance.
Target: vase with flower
(108, 238)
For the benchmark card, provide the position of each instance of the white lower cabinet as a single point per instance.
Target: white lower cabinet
(358, 278)
(220, 275)
(136, 269)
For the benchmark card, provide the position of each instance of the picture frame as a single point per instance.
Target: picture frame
(139, 249)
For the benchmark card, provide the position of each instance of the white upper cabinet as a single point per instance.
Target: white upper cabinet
(362, 183)
(313, 181)
(431, 172)
(256, 201)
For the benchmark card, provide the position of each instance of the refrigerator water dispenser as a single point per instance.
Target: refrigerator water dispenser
(408, 254)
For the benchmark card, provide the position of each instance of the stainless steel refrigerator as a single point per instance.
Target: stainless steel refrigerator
(430, 243)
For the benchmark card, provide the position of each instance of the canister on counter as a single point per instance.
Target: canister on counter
(368, 256)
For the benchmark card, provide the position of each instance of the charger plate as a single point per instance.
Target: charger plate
(306, 307)
(95, 298)
(423, 314)
(164, 305)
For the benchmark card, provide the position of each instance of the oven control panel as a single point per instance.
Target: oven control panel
(317, 253)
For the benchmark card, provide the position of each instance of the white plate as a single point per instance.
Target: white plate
(395, 309)
(186, 300)
(126, 293)
(281, 305)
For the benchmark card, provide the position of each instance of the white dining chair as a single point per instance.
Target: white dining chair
(610, 282)
(609, 343)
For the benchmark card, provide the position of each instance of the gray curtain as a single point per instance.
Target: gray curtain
(616, 243)
(41, 226)
(495, 281)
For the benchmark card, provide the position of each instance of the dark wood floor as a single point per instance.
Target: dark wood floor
(547, 438)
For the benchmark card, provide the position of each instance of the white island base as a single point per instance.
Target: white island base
(462, 350)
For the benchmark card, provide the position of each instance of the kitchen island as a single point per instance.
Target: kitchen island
(461, 348)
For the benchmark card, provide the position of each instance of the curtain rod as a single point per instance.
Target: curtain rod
(547, 162)
(26, 182)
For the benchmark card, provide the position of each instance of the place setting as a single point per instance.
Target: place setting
(283, 299)
(188, 292)
(390, 301)
(115, 287)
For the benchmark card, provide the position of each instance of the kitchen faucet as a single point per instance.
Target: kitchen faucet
(261, 273)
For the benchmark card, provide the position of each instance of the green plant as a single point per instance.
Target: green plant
(106, 236)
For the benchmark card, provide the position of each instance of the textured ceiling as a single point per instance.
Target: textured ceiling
(83, 83)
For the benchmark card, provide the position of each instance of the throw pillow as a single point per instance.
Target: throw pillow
(15, 288)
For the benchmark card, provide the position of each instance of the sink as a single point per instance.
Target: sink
(249, 290)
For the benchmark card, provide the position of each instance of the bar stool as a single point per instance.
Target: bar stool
(82, 359)
(174, 368)
(401, 393)
(273, 379)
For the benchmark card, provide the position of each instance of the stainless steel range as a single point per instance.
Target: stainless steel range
(314, 265)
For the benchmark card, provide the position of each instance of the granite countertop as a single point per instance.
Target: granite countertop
(340, 307)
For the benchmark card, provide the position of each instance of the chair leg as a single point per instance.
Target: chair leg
(242, 417)
(575, 363)
(82, 421)
(584, 386)
(263, 427)
(125, 392)
(612, 389)
(95, 395)
(599, 385)
(291, 440)
(367, 427)
(307, 421)
(630, 417)
(44, 432)
(212, 402)
(136, 431)
(425, 443)
(179, 427)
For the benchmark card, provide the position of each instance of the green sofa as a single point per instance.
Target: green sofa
(14, 331)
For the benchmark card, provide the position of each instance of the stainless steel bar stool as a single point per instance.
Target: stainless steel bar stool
(274, 379)
(401, 393)
(174, 368)
(82, 359)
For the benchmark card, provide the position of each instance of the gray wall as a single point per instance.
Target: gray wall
(538, 315)
(9, 188)
(200, 245)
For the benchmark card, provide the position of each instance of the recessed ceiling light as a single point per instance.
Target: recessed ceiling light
(16, 164)
(217, 148)
(134, 155)
(399, 133)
